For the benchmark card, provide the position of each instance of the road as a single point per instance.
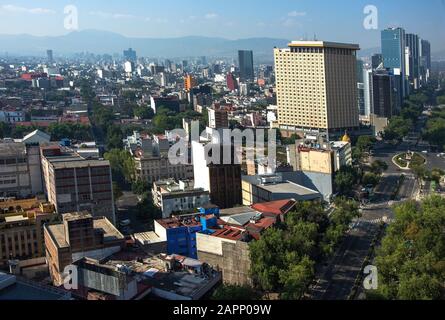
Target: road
(337, 278)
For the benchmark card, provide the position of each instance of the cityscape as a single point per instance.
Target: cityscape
(183, 153)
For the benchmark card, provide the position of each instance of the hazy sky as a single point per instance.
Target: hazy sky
(340, 20)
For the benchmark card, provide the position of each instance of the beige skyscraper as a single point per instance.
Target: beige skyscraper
(316, 86)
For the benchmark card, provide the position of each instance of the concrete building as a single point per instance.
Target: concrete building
(272, 187)
(223, 181)
(73, 183)
(20, 171)
(218, 118)
(385, 95)
(79, 235)
(325, 158)
(316, 86)
(133, 275)
(21, 228)
(151, 168)
(178, 197)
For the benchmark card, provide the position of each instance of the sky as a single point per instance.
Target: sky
(340, 20)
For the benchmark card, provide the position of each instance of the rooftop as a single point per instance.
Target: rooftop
(12, 149)
(324, 44)
(57, 232)
(275, 207)
(13, 289)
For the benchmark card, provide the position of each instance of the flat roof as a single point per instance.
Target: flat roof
(290, 188)
(324, 44)
(73, 162)
(27, 290)
(57, 232)
(12, 149)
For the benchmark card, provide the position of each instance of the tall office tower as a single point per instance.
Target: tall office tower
(316, 85)
(245, 59)
(383, 94)
(368, 91)
(130, 55)
(49, 55)
(425, 60)
(377, 60)
(413, 72)
(189, 82)
(360, 87)
(393, 52)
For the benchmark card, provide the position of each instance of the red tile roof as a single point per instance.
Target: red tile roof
(276, 207)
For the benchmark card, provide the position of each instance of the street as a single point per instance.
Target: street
(336, 279)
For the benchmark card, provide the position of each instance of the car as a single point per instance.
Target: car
(425, 152)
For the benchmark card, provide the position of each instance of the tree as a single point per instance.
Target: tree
(296, 279)
(140, 187)
(234, 292)
(143, 112)
(365, 143)
(440, 100)
(411, 259)
(345, 179)
(378, 167)
(398, 128)
(122, 166)
(370, 178)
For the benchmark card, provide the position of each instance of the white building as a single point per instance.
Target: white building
(182, 197)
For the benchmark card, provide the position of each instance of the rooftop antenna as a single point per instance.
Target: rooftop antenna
(315, 37)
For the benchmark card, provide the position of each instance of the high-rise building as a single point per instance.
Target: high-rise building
(413, 70)
(245, 59)
(73, 183)
(130, 55)
(49, 55)
(223, 181)
(377, 60)
(425, 60)
(317, 86)
(218, 118)
(384, 94)
(189, 82)
(393, 52)
(368, 94)
(231, 82)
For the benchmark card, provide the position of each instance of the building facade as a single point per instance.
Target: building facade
(79, 235)
(316, 86)
(74, 184)
(20, 171)
(181, 197)
(21, 228)
(245, 59)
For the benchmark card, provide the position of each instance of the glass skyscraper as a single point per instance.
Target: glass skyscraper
(394, 59)
(245, 59)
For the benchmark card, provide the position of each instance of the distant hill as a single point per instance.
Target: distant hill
(101, 42)
(104, 42)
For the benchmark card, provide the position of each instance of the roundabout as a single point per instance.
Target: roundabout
(409, 160)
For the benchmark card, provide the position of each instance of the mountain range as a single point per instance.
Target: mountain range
(104, 42)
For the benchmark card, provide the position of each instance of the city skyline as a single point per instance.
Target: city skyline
(230, 20)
